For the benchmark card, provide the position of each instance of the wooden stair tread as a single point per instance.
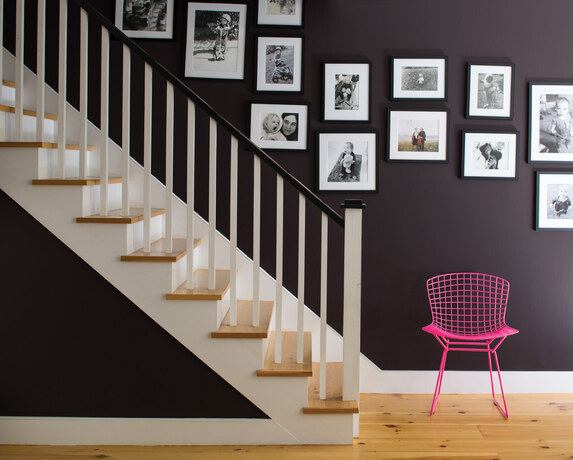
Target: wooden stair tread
(115, 217)
(39, 145)
(76, 181)
(28, 112)
(244, 328)
(201, 290)
(8, 83)
(158, 253)
(333, 404)
(288, 366)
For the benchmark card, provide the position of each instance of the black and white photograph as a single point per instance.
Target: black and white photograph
(279, 126)
(346, 94)
(279, 64)
(490, 91)
(490, 154)
(554, 195)
(347, 162)
(280, 13)
(551, 122)
(419, 78)
(418, 135)
(145, 18)
(215, 41)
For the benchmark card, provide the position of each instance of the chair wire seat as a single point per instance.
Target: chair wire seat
(468, 314)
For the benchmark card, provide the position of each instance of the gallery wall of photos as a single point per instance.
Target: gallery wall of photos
(348, 161)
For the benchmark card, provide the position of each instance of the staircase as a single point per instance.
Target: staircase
(172, 263)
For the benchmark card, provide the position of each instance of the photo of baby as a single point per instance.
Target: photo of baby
(555, 123)
(279, 126)
(559, 201)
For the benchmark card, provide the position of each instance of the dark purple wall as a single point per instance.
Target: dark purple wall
(424, 219)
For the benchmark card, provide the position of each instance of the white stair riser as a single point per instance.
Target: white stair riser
(7, 124)
(8, 96)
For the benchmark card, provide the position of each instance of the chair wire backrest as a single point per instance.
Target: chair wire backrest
(468, 304)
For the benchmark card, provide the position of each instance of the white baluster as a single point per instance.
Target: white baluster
(279, 271)
(323, 302)
(212, 199)
(40, 70)
(256, 239)
(352, 301)
(148, 93)
(19, 71)
(83, 94)
(233, 231)
(300, 289)
(62, 72)
(190, 283)
(104, 123)
(169, 170)
(125, 129)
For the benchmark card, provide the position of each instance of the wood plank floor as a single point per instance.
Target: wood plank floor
(391, 427)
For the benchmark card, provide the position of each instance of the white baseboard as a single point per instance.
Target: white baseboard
(468, 382)
(124, 431)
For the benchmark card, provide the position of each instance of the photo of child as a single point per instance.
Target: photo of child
(271, 128)
(555, 124)
(559, 201)
(348, 166)
(490, 91)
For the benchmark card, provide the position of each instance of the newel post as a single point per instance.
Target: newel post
(352, 303)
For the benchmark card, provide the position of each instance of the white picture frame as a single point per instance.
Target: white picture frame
(216, 40)
(271, 126)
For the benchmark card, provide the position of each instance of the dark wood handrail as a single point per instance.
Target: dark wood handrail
(183, 88)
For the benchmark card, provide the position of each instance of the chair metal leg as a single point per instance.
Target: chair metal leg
(504, 411)
(439, 381)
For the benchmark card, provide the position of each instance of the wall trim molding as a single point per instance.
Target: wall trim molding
(469, 382)
(128, 431)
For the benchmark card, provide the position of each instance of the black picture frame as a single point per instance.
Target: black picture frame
(346, 91)
(282, 73)
(553, 201)
(490, 154)
(404, 126)
(490, 90)
(550, 140)
(419, 78)
(342, 168)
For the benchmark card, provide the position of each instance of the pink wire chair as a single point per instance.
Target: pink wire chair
(468, 314)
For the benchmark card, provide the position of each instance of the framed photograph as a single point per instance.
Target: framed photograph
(347, 162)
(490, 91)
(551, 122)
(346, 95)
(138, 19)
(554, 193)
(419, 78)
(280, 126)
(280, 13)
(279, 64)
(418, 135)
(490, 154)
(216, 40)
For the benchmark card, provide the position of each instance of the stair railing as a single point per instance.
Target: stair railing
(353, 208)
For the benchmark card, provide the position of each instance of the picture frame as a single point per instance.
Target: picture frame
(490, 90)
(346, 91)
(216, 40)
(419, 77)
(490, 154)
(280, 13)
(550, 121)
(553, 201)
(347, 162)
(138, 21)
(279, 126)
(418, 135)
(279, 64)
